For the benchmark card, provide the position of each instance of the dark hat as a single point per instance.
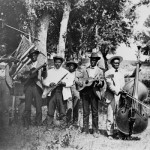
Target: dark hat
(115, 57)
(58, 56)
(94, 55)
(72, 62)
(33, 50)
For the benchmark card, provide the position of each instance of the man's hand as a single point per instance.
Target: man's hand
(33, 75)
(99, 83)
(80, 84)
(52, 84)
(122, 92)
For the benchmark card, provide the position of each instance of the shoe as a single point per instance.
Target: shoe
(110, 137)
(96, 135)
(44, 123)
(50, 127)
(84, 133)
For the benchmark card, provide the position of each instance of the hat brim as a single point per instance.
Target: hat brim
(68, 63)
(58, 57)
(35, 52)
(115, 57)
(98, 58)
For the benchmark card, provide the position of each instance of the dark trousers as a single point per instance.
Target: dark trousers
(5, 102)
(56, 100)
(75, 109)
(33, 92)
(89, 98)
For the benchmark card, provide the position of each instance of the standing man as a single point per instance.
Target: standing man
(58, 80)
(115, 79)
(32, 88)
(89, 83)
(5, 86)
(72, 67)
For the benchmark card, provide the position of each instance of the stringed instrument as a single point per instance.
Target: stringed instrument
(31, 74)
(86, 84)
(48, 90)
(131, 115)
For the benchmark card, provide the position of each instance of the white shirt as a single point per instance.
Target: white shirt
(2, 69)
(117, 79)
(34, 64)
(55, 75)
(92, 71)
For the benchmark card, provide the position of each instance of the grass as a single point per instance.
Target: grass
(37, 138)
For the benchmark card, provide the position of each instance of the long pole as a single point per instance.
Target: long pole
(21, 31)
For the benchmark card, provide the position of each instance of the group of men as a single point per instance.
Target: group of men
(64, 86)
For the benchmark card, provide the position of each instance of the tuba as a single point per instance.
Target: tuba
(131, 115)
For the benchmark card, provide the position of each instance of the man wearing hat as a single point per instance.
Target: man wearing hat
(32, 88)
(5, 86)
(115, 79)
(89, 94)
(74, 72)
(59, 81)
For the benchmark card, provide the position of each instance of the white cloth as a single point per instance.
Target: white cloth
(34, 64)
(115, 80)
(55, 75)
(92, 71)
(3, 69)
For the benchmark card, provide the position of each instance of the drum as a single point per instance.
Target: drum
(18, 89)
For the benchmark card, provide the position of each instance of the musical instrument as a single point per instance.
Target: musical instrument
(47, 90)
(31, 74)
(86, 84)
(131, 116)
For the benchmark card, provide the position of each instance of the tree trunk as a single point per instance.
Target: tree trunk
(42, 37)
(63, 29)
(101, 62)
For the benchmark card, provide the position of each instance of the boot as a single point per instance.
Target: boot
(49, 124)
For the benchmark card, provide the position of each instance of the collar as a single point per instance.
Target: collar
(58, 69)
(115, 69)
(90, 67)
(34, 62)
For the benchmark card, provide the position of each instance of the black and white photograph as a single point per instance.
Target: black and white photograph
(74, 74)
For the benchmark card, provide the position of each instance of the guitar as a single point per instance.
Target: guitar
(32, 73)
(86, 84)
(47, 90)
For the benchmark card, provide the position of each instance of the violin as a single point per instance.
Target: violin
(131, 115)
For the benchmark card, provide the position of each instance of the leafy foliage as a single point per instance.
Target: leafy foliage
(105, 15)
(14, 14)
(92, 24)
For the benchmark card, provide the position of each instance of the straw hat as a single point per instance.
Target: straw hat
(58, 56)
(95, 55)
(115, 57)
(71, 62)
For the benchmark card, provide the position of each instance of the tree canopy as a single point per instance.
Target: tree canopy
(92, 24)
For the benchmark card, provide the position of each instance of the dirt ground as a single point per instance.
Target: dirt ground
(15, 137)
(37, 138)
